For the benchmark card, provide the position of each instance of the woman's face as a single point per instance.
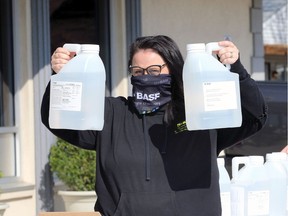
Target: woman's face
(147, 57)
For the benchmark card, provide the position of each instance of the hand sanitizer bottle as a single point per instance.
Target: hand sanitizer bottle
(77, 92)
(211, 91)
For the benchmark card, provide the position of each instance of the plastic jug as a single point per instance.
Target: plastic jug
(77, 92)
(278, 183)
(211, 91)
(225, 187)
(249, 187)
(284, 160)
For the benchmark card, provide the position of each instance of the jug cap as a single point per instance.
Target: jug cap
(273, 157)
(90, 47)
(256, 159)
(280, 155)
(196, 47)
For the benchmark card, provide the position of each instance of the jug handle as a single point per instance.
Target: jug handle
(213, 46)
(236, 161)
(73, 47)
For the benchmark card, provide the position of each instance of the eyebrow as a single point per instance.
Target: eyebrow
(148, 66)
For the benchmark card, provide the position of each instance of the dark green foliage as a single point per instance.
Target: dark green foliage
(74, 166)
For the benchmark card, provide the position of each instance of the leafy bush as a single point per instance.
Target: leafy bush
(74, 166)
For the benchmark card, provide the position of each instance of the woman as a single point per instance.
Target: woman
(148, 163)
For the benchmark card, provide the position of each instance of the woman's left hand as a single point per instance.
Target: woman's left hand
(229, 54)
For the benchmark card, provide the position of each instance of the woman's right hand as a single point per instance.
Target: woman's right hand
(60, 57)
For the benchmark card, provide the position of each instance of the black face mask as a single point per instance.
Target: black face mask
(151, 92)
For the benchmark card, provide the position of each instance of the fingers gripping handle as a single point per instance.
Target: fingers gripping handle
(213, 46)
(72, 47)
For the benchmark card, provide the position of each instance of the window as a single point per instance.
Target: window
(275, 39)
(8, 130)
(76, 21)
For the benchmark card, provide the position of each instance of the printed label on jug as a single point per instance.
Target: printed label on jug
(237, 201)
(226, 203)
(66, 95)
(219, 95)
(258, 203)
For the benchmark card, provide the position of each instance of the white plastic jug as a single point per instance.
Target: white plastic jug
(249, 187)
(225, 187)
(278, 183)
(77, 92)
(211, 91)
(284, 160)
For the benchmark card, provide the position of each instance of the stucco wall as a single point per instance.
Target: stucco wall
(192, 21)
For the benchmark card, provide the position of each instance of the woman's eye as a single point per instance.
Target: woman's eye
(154, 71)
(138, 72)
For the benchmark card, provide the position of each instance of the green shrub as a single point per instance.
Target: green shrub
(74, 166)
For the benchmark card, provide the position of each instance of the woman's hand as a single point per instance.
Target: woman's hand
(60, 57)
(229, 54)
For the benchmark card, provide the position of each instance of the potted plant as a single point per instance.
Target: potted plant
(3, 206)
(75, 167)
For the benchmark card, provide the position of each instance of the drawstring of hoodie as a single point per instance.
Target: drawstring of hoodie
(164, 147)
(147, 150)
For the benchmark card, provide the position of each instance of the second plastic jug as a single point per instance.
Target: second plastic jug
(225, 187)
(211, 91)
(250, 189)
(278, 183)
(284, 160)
(78, 91)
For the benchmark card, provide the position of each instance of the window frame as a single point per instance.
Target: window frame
(7, 38)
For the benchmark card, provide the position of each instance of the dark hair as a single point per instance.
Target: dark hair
(169, 51)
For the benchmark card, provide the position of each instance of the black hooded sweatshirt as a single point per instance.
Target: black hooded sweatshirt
(145, 168)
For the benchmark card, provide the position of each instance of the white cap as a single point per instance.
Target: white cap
(280, 155)
(256, 159)
(273, 157)
(90, 47)
(196, 47)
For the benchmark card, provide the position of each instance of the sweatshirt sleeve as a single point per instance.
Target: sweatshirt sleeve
(83, 139)
(254, 110)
